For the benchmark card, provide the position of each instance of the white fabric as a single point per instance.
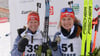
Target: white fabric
(66, 44)
(31, 47)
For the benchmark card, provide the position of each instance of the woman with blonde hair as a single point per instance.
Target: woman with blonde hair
(67, 42)
(28, 39)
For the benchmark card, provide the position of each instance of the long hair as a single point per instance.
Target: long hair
(76, 21)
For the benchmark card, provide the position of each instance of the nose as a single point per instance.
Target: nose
(66, 21)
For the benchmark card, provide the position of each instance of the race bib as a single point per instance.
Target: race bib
(31, 47)
(70, 47)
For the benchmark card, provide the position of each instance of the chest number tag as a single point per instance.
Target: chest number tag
(65, 47)
(30, 48)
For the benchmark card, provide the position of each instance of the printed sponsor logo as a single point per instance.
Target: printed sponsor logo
(76, 8)
(3, 19)
(68, 14)
(89, 21)
(51, 10)
(84, 21)
(26, 1)
(39, 5)
(33, 17)
(52, 24)
(96, 7)
(25, 12)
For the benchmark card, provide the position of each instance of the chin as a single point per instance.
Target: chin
(67, 28)
(33, 30)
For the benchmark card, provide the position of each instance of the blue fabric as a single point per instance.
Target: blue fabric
(58, 51)
(15, 51)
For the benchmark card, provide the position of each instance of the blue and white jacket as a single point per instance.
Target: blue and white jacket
(15, 51)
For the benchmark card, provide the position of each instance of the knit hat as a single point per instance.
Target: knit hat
(33, 15)
(67, 12)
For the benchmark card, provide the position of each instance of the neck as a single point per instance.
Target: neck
(32, 31)
(65, 32)
(69, 30)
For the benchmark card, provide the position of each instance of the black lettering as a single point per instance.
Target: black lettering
(36, 47)
(71, 47)
(65, 47)
(89, 20)
(25, 12)
(69, 54)
(30, 55)
(30, 48)
(84, 20)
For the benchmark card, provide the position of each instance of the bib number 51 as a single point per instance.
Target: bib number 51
(65, 47)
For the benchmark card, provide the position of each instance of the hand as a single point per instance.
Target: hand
(22, 44)
(26, 35)
(54, 45)
(44, 47)
(21, 30)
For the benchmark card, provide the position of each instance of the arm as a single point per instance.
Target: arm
(55, 46)
(15, 51)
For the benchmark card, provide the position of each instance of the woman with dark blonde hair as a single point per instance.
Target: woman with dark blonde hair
(67, 42)
(29, 38)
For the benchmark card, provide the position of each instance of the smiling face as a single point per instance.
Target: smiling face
(67, 23)
(33, 25)
(33, 21)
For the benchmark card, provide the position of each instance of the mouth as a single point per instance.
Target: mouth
(67, 25)
(33, 27)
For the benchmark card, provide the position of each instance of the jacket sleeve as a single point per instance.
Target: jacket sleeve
(58, 51)
(14, 51)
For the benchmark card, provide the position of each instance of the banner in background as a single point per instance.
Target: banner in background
(19, 10)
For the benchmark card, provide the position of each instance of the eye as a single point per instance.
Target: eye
(35, 22)
(31, 22)
(63, 19)
(69, 18)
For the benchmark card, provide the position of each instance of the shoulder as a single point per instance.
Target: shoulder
(39, 33)
(57, 33)
(78, 25)
(79, 30)
(21, 30)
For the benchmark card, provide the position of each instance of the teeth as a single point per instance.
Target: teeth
(66, 25)
(32, 27)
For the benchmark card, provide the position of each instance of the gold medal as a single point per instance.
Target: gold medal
(58, 39)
